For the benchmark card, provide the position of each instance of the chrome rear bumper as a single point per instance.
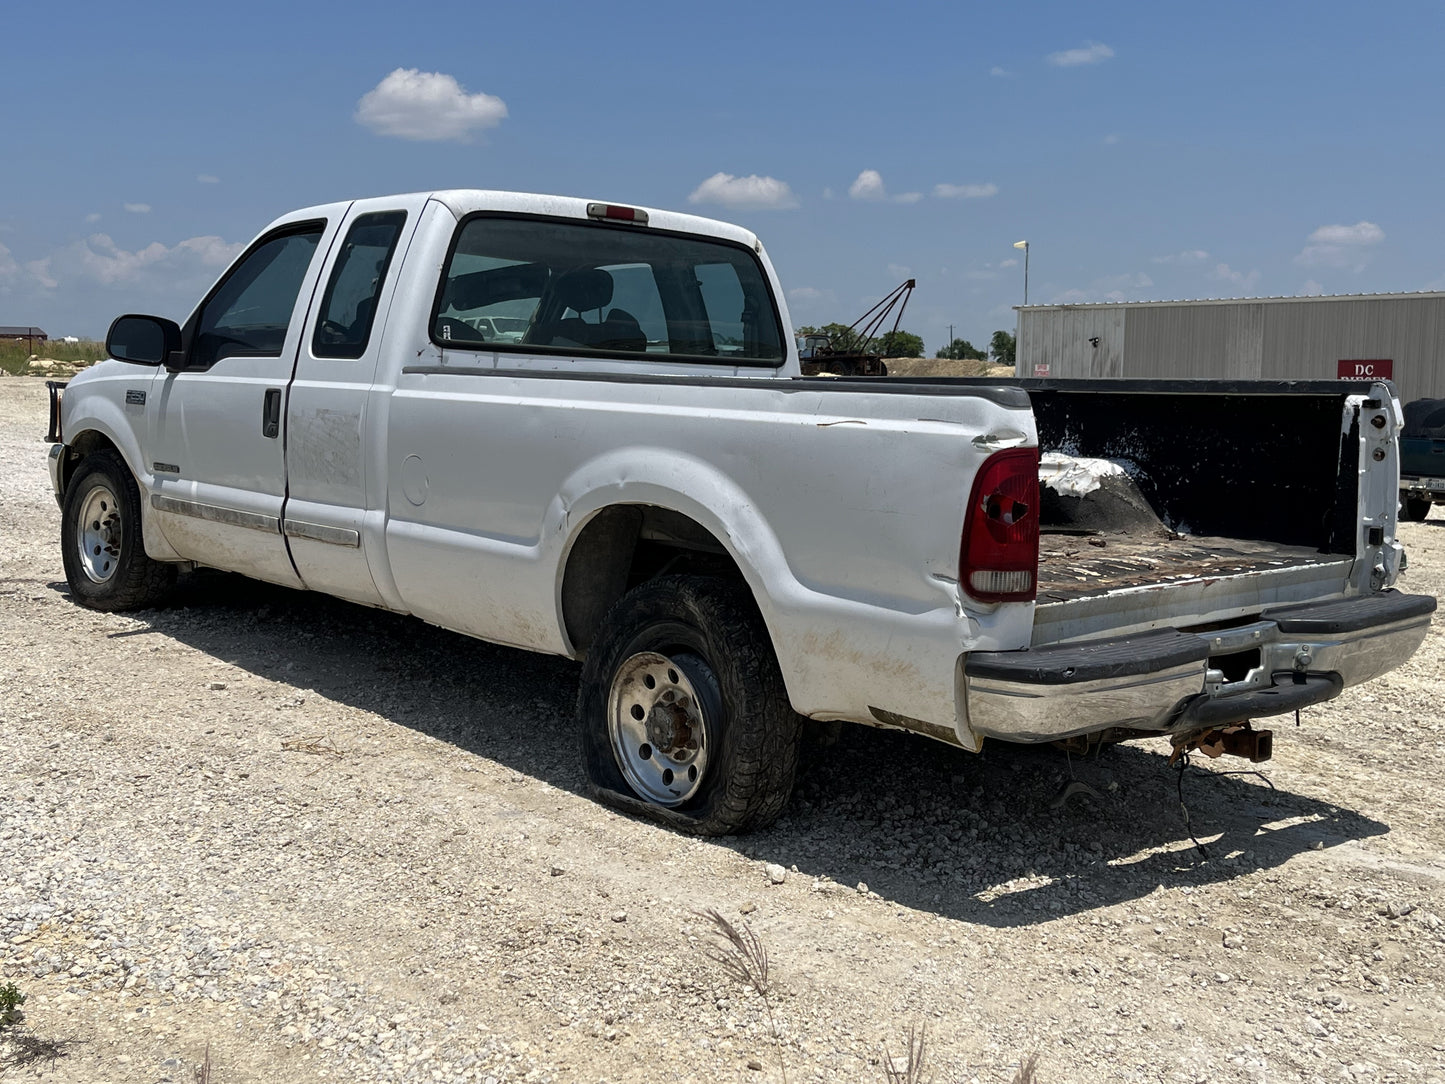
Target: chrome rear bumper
(1168, 680)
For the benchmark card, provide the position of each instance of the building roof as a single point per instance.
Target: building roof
(22, 333)
(1421, 295)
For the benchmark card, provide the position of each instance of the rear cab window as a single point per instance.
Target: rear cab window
(541, 285)
(348, 309)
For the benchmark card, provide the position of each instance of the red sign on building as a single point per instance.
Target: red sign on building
(1379, 369)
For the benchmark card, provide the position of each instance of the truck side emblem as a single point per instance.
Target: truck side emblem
(165, 468)
(134, 397)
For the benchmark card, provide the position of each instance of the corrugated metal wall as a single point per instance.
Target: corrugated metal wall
(1062, 341)
(1291, 338)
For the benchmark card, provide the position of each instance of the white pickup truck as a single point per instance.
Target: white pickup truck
(639, 477)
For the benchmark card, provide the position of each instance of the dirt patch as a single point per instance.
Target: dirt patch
(327, 842)
(945, 367)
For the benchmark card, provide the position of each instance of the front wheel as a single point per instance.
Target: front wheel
(100, 539)
(682, 709)
(1417, 508)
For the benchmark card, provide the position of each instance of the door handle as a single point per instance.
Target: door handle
(271, 413)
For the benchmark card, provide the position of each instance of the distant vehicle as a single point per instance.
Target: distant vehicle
(1422, 458)
(817, 353)
(502, 329)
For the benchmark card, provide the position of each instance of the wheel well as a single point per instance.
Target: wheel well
(625, 545)
(85, 444)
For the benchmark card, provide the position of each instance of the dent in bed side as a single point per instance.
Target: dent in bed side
(839, 657)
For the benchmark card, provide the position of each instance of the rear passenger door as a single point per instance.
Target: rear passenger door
(331, 407)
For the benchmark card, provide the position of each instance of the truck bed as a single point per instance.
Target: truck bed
(1090, 585)
(1073, 566)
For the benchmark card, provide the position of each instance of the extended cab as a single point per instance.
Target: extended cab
(637, 475)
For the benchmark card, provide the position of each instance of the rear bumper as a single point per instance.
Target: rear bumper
(1173, 681)
(1422, 487)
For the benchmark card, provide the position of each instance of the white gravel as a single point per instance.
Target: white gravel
(335, 844)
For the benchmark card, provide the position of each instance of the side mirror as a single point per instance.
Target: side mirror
(143, 340)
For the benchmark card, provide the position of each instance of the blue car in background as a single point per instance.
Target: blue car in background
(1422, 458)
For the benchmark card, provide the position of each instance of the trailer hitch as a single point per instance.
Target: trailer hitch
(1241, 740)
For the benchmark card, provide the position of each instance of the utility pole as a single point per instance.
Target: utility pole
(1025, 246)
(950, 337)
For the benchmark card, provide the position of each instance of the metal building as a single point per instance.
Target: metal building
(1399, 336)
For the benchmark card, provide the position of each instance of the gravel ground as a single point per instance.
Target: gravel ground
(326, 843)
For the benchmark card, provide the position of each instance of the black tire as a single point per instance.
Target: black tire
(1416, 508)
(711, 632)
(115, 574)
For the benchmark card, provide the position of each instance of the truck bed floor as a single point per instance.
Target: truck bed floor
(1075, 566)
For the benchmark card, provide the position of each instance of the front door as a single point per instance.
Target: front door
(217, 448)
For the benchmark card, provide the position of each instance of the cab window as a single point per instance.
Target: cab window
(348, 309)
(544, 285)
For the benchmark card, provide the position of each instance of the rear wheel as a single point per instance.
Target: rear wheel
(100, 539)
(1417, 508)
(683, 712)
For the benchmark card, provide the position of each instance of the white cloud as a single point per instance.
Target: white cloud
(1010, 262)
(1091, 52)
(9, 269)
(1125, 287)
(1361, 233)
(1341, 246)
(899, 271)
(751, 192)
(1244, 281)
(94, 216)
(1112, 139)
(980, 276)
(1188, 256)
(137, 208)
(207, 178)
(432, 106)
(812, 305)
(98, 259)
(1312, 289)
(965, 191)
(999, 73)
(869, 185)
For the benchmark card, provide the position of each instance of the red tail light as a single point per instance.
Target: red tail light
(999, 558)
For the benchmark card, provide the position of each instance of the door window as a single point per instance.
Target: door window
(248, 314)
(348, 310)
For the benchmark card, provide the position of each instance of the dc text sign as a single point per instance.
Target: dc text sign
(1378, 369)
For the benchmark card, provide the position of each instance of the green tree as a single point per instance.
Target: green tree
(1004, 347)
(899, 344)
(961, 350)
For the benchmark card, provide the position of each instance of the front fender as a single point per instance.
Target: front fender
(91, 421)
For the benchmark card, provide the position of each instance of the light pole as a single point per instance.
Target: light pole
(1025, 246)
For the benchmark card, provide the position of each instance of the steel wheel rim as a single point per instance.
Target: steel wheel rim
(659, 713)
(99, 533)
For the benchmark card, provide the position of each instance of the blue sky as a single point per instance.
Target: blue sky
(1145, 150)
